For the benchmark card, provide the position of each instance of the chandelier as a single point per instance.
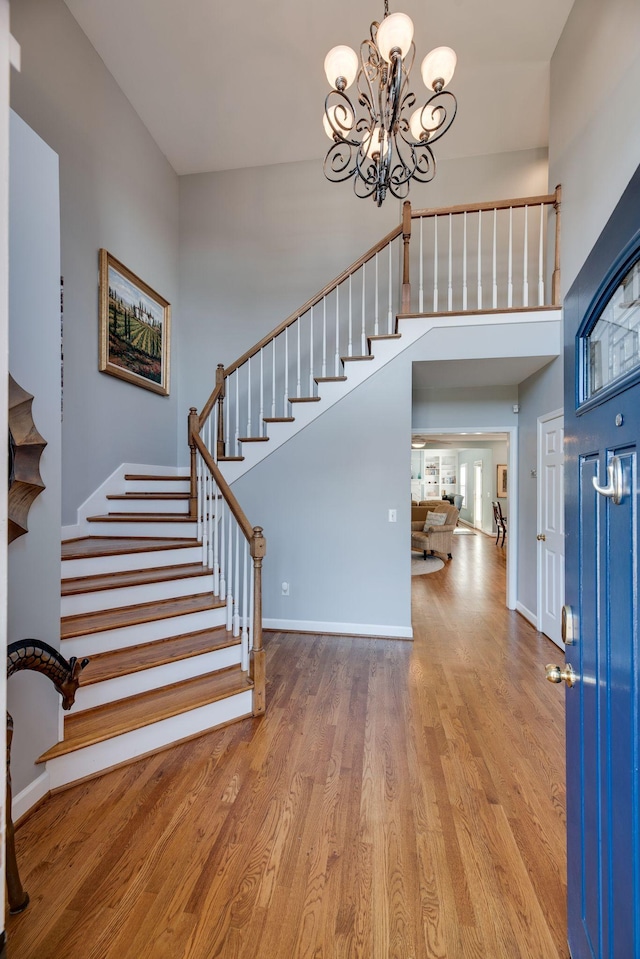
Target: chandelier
(388, 146)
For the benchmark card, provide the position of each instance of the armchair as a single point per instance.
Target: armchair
(436, 539)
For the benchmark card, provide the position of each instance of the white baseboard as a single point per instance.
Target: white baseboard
(528, 615)
(30, 795)
(345, 629)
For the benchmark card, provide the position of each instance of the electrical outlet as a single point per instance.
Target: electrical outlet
(393, 516)
(285, 589)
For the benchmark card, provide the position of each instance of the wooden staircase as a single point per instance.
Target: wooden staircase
(137, 600)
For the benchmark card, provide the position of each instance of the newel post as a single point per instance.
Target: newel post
(221, 383)
(258, 549)
(406, 238)
(555, 282)
(192, 429)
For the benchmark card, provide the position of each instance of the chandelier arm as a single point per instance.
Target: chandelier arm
(338, 109)
(441, 117)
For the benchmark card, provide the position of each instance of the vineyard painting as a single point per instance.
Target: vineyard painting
(134, 328)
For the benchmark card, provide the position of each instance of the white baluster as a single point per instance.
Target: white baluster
(227, 432)
(350, 342)
(390, 310)
(376, 324)
(336, 362)
(244, 636)
(324, 336)
(298, 366)
(421, 273)
(510, 262)
(249, 397)
(201, 481)
(435, 263)
(541, 259)
(363, 334)
(215, 559)
(222, 591)
(464, 261)
(251, 603)
(285, 403)
(261, 412)
(236, 585)
(479, 259)
(237, 379)
(494, 299)
(525, 260)
(450, 283)
(210, 502)
(273, 378)
(229, 574)
(311, 381)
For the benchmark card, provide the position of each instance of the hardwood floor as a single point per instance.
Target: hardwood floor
(398, 801)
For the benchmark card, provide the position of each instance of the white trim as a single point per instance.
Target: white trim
(14, 53)
(512, 457)
(545, 418)
(30, 795)
(341, 629)
(528, 615)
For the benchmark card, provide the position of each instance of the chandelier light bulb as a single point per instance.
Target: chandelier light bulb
(341, 117)
(438, 68)
(415, 125)
(341, 62)
(373, 146)
(396, 30)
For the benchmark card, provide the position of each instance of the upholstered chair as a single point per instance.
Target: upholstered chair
(436, 539)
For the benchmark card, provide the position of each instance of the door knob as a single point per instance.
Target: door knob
(541, 537)
(556, 675)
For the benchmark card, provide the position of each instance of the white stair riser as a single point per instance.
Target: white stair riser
(122, 527)
(93, 643)
(87, 697)
(121, 562)
(135, 595)
(93, 759)
(145, 505)
(157, 486)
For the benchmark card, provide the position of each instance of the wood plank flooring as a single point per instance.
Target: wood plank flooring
(398, 801)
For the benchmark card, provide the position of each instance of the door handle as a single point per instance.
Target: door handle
(614, 490)
(557, 675)
(541, 538)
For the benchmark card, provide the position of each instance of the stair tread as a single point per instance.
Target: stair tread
(279, 419)
(90, 546)
(81, 624)
(132, 577)
(253, 439)
(384, 336)
(141, 518)
(347, 359)
(304, 399)
(104, 722)
(230, 459)
(154, 477)
(148, 496)
(133, 659)
(330, 379)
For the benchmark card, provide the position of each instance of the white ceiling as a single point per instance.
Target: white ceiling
(221, 86)
(496, 371)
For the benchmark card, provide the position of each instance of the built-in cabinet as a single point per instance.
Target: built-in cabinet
(434, 474)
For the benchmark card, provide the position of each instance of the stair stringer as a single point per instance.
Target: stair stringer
(412, 329)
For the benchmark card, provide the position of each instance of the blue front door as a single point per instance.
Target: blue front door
(602, 416)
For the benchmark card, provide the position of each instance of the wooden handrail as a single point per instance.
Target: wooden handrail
(225, 489)
(316, 299)
(548, 198)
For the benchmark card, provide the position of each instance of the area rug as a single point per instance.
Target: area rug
(420, 566)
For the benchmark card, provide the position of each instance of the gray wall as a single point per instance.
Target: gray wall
(479, 407)
(116, 191)
(594, 145)
(255, 244)
(34, 362)
(324, 499)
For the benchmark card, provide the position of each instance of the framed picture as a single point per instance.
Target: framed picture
(134, 328)
(501, 485)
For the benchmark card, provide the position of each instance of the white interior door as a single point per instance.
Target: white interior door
(551, 525)
(477, 494)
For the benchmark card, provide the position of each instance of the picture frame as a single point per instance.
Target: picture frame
(134, 328)
(501, 481)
